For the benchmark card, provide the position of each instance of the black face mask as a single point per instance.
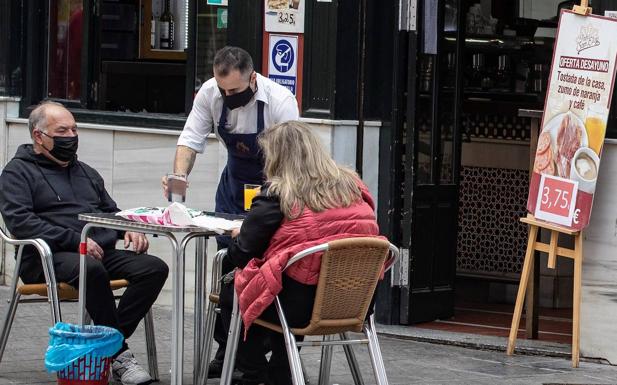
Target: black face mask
(65, 147)
(239, 99)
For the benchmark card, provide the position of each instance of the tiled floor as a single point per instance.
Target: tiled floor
(555, 325)
(406, 361)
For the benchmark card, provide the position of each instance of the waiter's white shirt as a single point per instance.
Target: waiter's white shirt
(280, 106)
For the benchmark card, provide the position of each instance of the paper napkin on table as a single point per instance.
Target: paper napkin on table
(176, 214)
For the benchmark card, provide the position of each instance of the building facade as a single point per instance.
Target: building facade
(422, 97)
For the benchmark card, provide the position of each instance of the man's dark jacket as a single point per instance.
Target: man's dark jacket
(41, 199)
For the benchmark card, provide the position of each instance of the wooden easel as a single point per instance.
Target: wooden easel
(553, 251)
(582, 9)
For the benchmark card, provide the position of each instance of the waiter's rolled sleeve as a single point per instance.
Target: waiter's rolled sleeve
(198, 124)
(286, 110)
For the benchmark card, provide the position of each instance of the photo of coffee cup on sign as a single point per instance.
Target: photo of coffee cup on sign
(570, 148)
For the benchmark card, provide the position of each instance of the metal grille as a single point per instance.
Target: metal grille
(495, 126)
(491, 239)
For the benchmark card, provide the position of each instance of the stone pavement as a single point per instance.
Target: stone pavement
(407, 361)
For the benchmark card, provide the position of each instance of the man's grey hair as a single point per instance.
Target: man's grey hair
(38, 116)
(231, 58)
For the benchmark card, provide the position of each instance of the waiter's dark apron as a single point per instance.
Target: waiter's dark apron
(244, 166)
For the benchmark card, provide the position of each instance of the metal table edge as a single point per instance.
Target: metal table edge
(132, 225)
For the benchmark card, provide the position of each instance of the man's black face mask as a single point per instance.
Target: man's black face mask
(239, 99)
(65, 147)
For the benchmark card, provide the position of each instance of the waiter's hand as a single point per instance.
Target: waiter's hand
(164, 185)
(183, 164)
(235, 232)
(165, 188)
(139, 241)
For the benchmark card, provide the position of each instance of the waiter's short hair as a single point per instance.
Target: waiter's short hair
(231, 58)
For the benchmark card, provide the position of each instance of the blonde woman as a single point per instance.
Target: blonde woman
(307, 200)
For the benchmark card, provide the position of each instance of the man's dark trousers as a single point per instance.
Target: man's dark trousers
(145, 273)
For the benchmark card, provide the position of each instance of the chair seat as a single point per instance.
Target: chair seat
(323, 327)
(65, 291)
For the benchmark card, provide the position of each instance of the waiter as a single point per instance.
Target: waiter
(237, 104)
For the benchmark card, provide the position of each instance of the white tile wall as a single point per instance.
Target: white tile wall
(140, 160)
(132, 164)
(599, 291)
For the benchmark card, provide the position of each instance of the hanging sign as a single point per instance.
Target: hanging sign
(576, 110)
(284, 16)
(221, 18)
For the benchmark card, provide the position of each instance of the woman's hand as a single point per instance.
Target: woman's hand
(235, 232)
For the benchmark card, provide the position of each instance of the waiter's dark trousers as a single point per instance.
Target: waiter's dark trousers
(146, 275)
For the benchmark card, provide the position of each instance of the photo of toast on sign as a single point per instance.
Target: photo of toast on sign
(278, 4)
(561, 138)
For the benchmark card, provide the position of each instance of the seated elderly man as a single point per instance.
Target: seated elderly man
(42, 190)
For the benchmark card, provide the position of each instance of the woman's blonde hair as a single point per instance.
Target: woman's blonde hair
(302, 174)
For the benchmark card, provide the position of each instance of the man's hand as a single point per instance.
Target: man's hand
(94, 250)
(235, 232)
(139, 241)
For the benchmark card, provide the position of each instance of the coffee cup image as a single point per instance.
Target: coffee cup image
(584, 169)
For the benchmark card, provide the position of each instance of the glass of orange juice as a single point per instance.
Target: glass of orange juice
(250, 192)
(595, 123)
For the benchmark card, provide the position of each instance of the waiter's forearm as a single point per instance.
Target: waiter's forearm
(184, 160)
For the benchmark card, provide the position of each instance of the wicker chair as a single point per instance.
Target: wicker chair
(53, 293)
(350, 271)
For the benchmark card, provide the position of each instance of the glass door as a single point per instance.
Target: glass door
(433, 151)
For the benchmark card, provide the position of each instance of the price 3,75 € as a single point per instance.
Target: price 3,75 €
(556, 198)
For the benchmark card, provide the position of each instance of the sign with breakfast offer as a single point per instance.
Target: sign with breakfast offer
(573, 126)
(284, 16)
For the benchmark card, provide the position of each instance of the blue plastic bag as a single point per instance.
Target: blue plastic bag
(68, 343)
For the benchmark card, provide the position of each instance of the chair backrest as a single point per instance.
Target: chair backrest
(350, 270)
(44, 252)
(4, 236)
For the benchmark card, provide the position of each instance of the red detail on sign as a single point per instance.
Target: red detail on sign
(266, 53)
(83, 248)
(557, 196)
(582, 211)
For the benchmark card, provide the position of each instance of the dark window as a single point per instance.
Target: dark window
(109, 56)
(11, 47)
(105, 60)
(65, 47)
(211, 36)
(141, 64)
(4, 46)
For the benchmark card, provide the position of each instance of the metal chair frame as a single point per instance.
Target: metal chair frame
(295, 363)
(54, 300)
(211, 311)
